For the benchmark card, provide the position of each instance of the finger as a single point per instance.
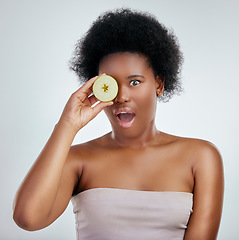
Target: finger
(88, 85)
(99, 107)
(93, 100)
(86, 88)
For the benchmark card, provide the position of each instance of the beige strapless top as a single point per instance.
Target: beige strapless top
(120, 214)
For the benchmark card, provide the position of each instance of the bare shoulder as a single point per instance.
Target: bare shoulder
(194, 143)
(84, 150)
(197, 148)
(206, 165)
(200, 153)
(203, 153)
(80, 153)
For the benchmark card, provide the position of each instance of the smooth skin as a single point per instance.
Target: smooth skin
(137, 157)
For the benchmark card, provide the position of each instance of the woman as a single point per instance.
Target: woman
(134, 182)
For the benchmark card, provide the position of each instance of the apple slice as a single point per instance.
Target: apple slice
(105, 88)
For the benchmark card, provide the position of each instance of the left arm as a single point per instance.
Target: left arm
(207, 195)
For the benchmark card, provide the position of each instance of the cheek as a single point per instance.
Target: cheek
(108, 113)
(148, 93)
(147, 100)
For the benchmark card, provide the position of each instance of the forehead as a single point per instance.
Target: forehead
(128, 62)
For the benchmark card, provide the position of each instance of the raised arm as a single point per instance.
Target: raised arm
(46, 190)
(208, 194)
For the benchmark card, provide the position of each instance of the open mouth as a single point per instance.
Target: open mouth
(126, 119)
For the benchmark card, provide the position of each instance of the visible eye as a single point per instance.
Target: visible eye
(134, 82)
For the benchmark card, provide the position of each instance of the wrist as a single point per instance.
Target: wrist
(69, 125)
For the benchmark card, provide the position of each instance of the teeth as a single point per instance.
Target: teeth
(122, 113)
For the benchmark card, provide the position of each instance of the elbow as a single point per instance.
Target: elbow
(26, 220)
(23, 221)
(21, 216)
(27, 217)
(30, 217)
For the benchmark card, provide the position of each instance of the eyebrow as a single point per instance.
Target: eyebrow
(132, 76)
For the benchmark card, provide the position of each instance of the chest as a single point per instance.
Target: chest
(151, 169)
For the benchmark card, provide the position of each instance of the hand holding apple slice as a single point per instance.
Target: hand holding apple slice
(105, 88)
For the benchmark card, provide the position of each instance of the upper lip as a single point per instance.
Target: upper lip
(123, 110)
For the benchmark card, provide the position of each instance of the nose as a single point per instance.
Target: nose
(123, 95)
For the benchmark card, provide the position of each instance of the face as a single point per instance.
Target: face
(133, 111)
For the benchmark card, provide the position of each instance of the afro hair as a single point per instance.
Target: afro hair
(125, 30)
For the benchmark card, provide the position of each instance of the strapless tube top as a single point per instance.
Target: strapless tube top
(120, 214)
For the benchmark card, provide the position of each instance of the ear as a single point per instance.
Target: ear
(159, 83)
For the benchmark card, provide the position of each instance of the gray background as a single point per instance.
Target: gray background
(37, 40)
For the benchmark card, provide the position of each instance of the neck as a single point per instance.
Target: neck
(142, 140)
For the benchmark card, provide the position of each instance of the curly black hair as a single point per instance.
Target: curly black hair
(125, 30)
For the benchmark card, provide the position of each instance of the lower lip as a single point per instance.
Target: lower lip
(126, 124)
